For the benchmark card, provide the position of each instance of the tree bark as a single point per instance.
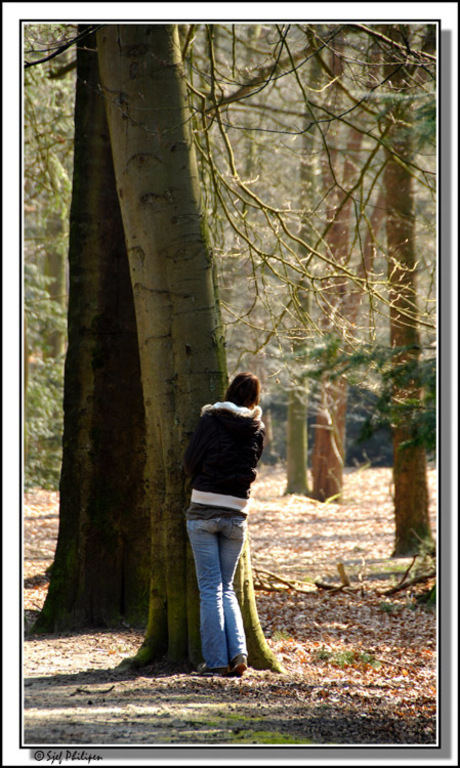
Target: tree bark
(25, 385)
(100, 572)
(409, 460)
(296, 443)
(180, 336)
(329, 450)
(343, 300)
(329, 444)
(297, 433)
(55, 268)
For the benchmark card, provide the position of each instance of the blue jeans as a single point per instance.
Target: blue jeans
(217, 545)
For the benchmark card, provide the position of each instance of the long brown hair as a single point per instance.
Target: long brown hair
(244, 390)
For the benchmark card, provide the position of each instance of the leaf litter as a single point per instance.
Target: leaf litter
(360, 665)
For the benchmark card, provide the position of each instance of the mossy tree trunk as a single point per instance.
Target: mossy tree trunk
(180, 337)
(101, 569)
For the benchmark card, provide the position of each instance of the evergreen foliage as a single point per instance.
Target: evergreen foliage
(376, 370)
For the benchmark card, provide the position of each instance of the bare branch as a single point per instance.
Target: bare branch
(91, 28)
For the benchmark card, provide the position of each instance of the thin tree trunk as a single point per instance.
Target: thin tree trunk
(409, 460)
(180, 336)
(297, 433)
(343, 301)
(25, 384)
(55, 268)
(296, 443)
(329, 445)
(329, 450)
(100, 572)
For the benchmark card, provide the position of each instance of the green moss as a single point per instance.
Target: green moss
(346, 658)
(244, 730)
(240, 718)
(388, 607)
(268, 737)
(136, 613)
(144, 656)
(205, 235)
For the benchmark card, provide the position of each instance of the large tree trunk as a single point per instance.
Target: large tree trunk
(409, 459)
(101, 569)
(180, 337)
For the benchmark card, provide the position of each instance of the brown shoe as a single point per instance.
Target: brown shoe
(239, 665)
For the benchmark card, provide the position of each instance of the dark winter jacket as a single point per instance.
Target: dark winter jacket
(223, 454)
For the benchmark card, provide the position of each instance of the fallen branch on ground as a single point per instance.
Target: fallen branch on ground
(273, 577)
(345, 585)
(86, 691)
(331, 587)
(337, 587)
(268, 584)
(410, 583)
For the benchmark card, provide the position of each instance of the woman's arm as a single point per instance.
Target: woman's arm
(196, 449)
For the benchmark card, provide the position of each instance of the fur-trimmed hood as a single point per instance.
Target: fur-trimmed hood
(240, 421)
(236, 410)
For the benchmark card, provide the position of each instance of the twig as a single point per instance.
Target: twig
(410, 583)
(92, 28)
(337, 587)
(407, 571)
(259, 584)
(343, 575)
(391, 663)
(361, 574)
(281, 579)
(39, 607)
(331, 587)
(275, 576)
(85, 690)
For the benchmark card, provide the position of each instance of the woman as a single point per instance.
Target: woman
(221, 459)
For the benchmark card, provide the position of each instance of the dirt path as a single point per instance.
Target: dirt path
(360, 666)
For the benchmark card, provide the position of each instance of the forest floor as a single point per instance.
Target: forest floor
(360, 664)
